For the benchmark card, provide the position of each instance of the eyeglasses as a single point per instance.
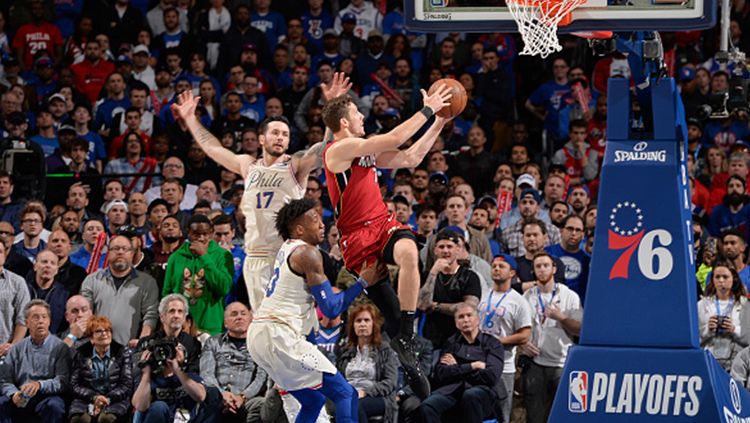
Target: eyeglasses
(313, 189)
(6, 233)
(102, 331)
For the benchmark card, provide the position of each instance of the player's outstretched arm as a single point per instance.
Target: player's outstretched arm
(306, 161)
(184, 109)
(307, 260)
(412, 156)
(346, 150)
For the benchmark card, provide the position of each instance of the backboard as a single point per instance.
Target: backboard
(595, 15)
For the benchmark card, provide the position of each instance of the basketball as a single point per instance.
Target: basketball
(458, 98)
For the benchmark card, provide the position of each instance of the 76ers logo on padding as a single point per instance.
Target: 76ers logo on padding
(578, 393)
(627, 232)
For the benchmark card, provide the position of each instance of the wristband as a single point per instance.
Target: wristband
(363, 283)
(72, 337)
(427, 112)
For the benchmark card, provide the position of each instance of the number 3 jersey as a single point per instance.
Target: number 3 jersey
(288, 299)
(267, 189)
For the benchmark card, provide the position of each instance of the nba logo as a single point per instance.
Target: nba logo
(578, 392)
(439, 3)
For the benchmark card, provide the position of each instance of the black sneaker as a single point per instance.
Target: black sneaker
(417, 380)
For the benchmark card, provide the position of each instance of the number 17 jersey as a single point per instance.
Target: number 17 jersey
(267, 189)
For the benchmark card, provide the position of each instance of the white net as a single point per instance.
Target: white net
(537, 22)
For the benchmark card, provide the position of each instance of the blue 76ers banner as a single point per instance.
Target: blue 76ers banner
(641, 290)
(639, 358)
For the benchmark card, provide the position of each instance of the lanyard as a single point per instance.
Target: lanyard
(726, 310)
(541, 301)
(489, 315)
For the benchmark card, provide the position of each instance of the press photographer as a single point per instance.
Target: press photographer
(170, 381)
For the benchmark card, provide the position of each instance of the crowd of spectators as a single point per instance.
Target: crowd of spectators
(118, 232)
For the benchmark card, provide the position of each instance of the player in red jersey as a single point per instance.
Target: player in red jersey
(368, 231)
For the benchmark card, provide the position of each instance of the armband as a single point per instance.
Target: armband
(427, 112)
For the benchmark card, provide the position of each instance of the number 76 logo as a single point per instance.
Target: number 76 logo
(654, 260)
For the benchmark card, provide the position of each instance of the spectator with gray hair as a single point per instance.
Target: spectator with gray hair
(127, 297)
(36, 371)
(227, 365)
(173, 310)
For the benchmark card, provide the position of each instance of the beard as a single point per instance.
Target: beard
(477, 227)
(120, 265)
(735, 199)
(170, 239)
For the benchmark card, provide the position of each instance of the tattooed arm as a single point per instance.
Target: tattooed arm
(307, 161)
(184, 108)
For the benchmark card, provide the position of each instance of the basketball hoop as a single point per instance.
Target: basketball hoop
(538, 21)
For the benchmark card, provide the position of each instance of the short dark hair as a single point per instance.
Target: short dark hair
(222, 219)
(290, 213)
(534, 221)
(139, 86)
(267, 121)
(573, 216)
(733, 232)
(577, 123)
(198, 219)
(335, 110)
(202, 204)
(424, 208)
(543, 254)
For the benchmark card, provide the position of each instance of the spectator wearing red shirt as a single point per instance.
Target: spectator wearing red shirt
(580, 160)
(36, 36)
(91, 74)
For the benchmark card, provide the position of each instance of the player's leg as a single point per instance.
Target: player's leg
(257, 274)
(401, 249)
(311, 402)
(292, 407)
(343, 395)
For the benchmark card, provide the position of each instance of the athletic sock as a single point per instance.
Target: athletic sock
(407, 324)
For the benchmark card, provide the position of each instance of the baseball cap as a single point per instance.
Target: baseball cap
(392, 112)
(43, 61)
(508, 259)
(574, 187)
(330, 32)
(452, 233)
(348, 17)
(442, 177)
(374, 33)
(532, 192)
(114, 203)
(10, 61)
(66, 127)
(141, 49)
(400, 199)
(249, 46)
(695, 122)
(56, 96)
(687, 74)
(487, 198)
(123, 59)
(526, 179)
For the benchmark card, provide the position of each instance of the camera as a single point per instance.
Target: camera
(720, 323)
(161, 350)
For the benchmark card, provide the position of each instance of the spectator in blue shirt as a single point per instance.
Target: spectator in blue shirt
(733, 212)
(545, 102)
(35, 374)
(271, 23)
(315, 22)
(569, 251)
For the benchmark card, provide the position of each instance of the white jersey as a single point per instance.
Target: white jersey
(503, 314)
(288, 299)
(548, 334)
(267, 189)
(368, 18)
(277, 337)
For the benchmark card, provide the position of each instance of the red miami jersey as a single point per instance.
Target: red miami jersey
(355, 194)
(34, 38)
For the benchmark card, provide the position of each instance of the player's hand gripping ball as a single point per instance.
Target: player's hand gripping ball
(458, 98)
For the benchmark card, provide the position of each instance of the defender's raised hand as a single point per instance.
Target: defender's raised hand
(184, 106)
(338, 86)
(438, 99)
